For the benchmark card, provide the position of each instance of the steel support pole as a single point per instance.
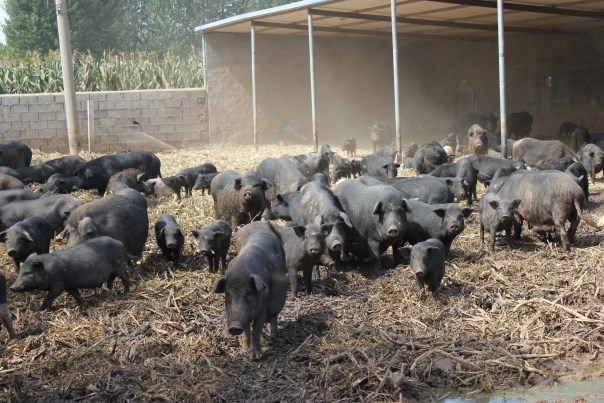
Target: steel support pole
(90, 106)
(254, 109)
(71, 108)
(502, 111)
(205, 83)
(313, 101)
(397, 113)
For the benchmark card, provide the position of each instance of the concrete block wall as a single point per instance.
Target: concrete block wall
(150, 120)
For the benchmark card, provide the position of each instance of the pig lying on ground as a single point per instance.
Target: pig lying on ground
(164, 187)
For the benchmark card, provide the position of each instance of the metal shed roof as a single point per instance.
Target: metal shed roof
(476, 18)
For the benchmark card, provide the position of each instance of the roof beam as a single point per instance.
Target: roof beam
(434, 23)
(527, 7)
(344, 31)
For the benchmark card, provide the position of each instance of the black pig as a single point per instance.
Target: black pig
(32, 235)
(213, 242)
(170, 237)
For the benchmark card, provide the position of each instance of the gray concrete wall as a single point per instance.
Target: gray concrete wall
(354, 84)
(151, 120)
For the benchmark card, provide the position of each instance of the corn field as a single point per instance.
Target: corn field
(114, 71)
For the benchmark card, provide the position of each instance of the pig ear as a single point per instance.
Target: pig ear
(219, 286)
(60, 181)
(385, 166)
(237, 183)
(195, 234)
(467, 211)
(377, 209)
(344, 217)
(218, 234)
(266, 184)
(299, 230)
(464, 182)
(140, 177)
(515, 203)
(28, 236)
(405, 205)
(449, 182)
(281, 199)
(88, 173)
(257, 282)
(494, 204)
(162, 231)
(440, 212)
(432, 250)
(326, 229)
(397, 165)
(182, 233)
(3, 236)
(38, 264)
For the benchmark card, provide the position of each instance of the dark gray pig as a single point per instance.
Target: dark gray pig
(11, 172)
(130, 178)
(551, 200)
(311, 163)
(578, 172)
(497, 215)
(95, 174)
(122, 216)
(36, 173)
(32, 235)
(10, 182)
(213, 242)
(442, 221)
(428, 189)
(428, 263)
(203, 182)
(164, 187)
(86, 265)
(9, 196)
(304, 246)
(428, 156)
(188, 176)
(242, 200)
(255, 285)
(5, 315)
(170, 237)
(380, 134)
(377, 213)
(592, 158)
(15, 155)
(378, 166)
(350, 146)
(58, 183)
(54, 209)
(286, 206)
(66, 165)
(534, 152)
(282, 173)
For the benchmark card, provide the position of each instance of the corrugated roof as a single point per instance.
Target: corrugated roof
(476, 18)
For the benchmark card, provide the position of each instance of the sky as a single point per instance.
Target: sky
(2, 17)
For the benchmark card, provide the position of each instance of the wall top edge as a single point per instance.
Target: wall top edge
(202, 89)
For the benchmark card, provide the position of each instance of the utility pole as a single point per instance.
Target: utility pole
(71, 109)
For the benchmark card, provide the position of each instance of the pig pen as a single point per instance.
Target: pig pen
(527, 317)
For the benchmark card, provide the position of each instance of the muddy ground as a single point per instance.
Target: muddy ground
(529, 316)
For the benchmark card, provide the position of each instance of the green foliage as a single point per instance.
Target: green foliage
(114, 71)
(126, 25)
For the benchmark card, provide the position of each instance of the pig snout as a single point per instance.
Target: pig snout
(393, 232)
(12, 253)
(506, 218)
(336, 246)
(314, 250)
(235, 328)
(455, 227)
(17, 287)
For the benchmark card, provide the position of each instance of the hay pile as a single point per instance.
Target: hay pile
(501, 320)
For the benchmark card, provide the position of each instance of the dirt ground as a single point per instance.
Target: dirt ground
(530, 316)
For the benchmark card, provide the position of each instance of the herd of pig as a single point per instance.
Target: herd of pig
(368, 210)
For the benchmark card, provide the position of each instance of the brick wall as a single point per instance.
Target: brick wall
(151, 120)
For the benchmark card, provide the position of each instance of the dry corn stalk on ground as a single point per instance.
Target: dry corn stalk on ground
(500, 320)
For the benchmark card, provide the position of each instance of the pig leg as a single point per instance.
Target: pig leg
(420, 280)
(374, 246)
(508, 237)
(54, 291)
(76, 295)
(123, 275)
(16, 265)
(224, 262)
(216, 262)
(8, 321)
(481, 233)
(307, 274)
(210, 259)
(255, 349)
(110, 280)
(293, 281)
(493, 232)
